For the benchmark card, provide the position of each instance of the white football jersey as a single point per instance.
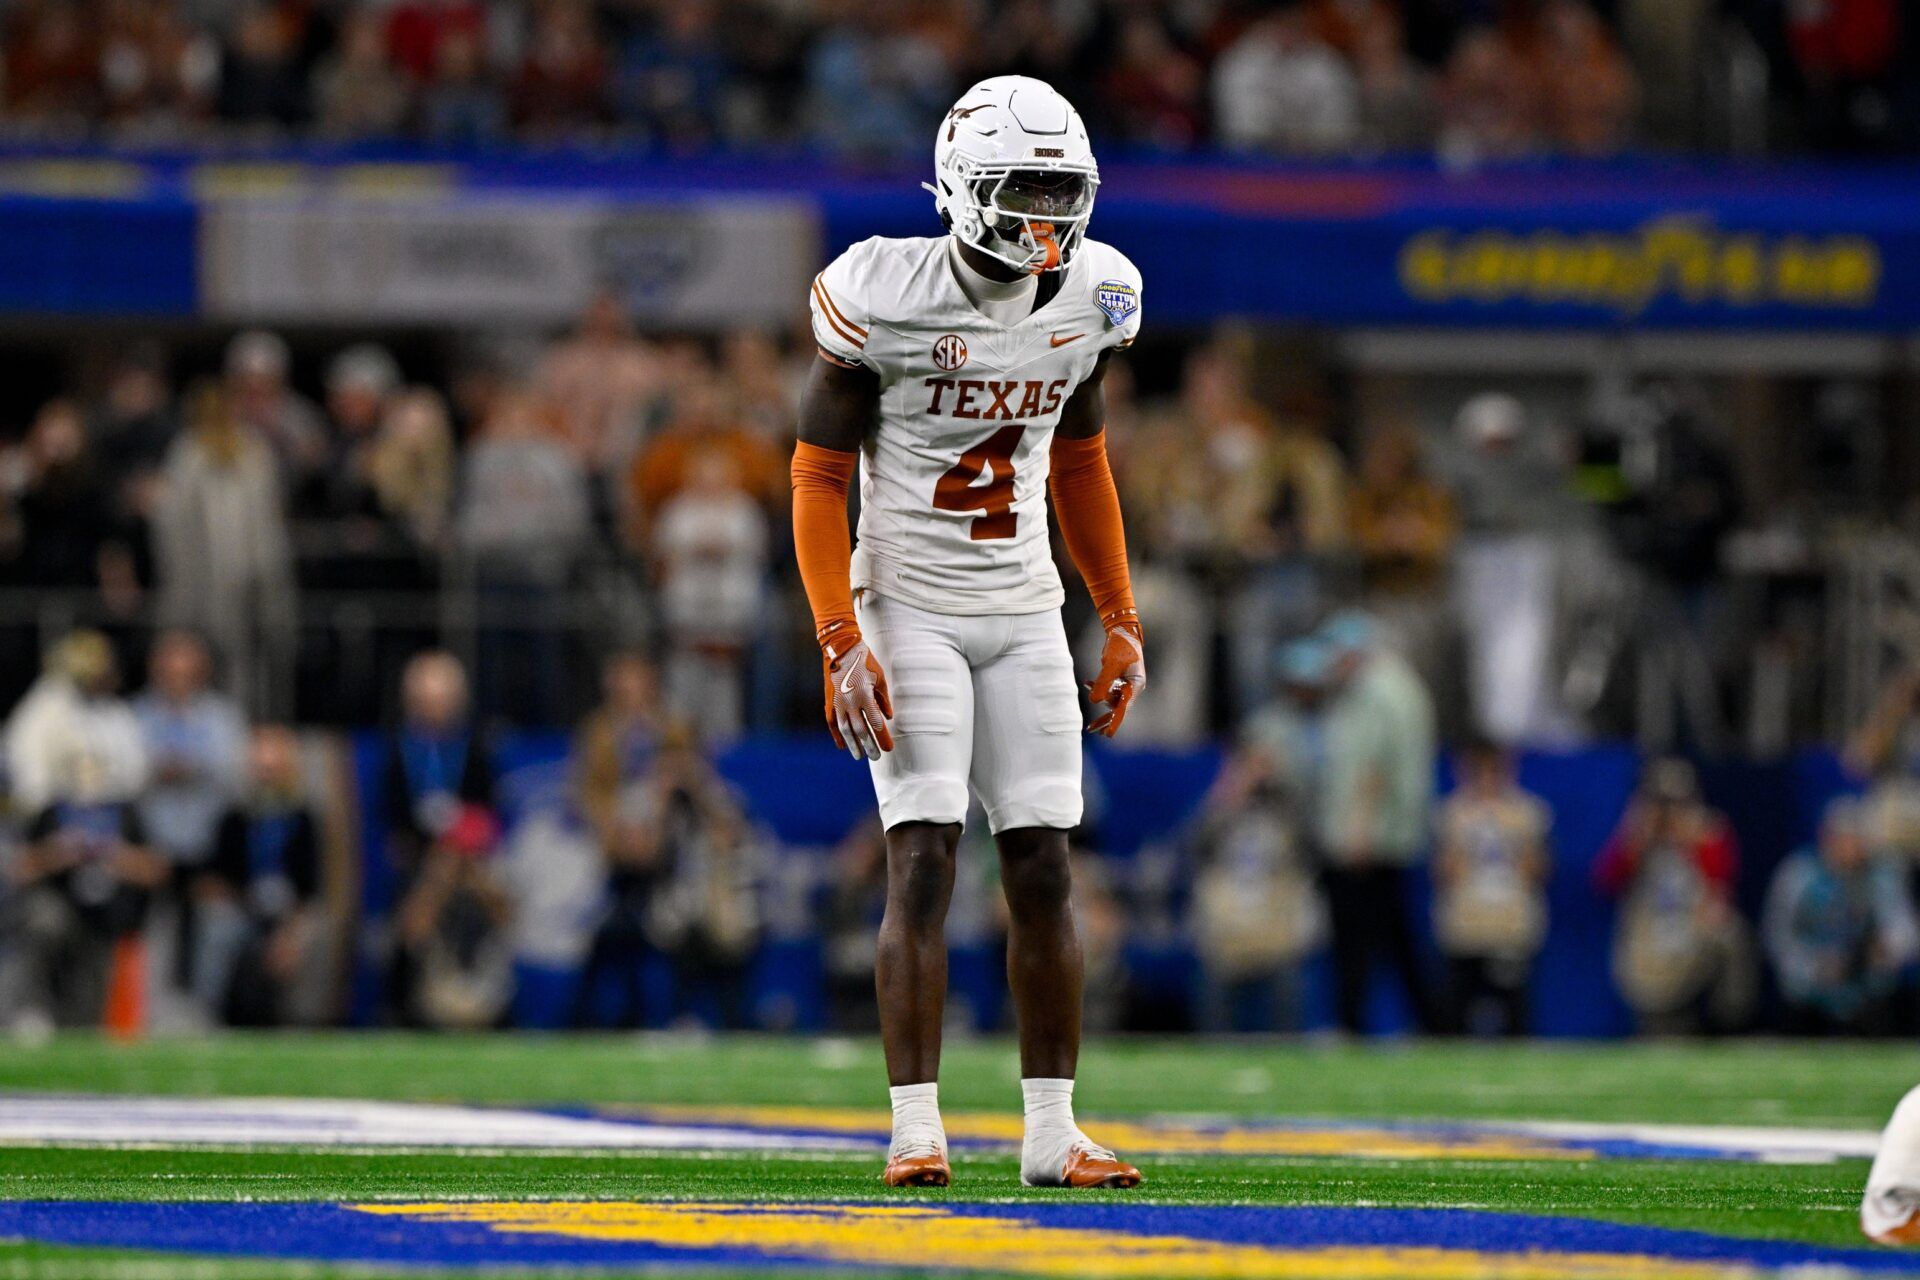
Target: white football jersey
(953, 479)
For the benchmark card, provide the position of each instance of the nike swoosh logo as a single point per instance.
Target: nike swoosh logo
(1059, 341)
(846, 686)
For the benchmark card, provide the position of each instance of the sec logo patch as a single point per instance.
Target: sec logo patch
(949, 353)
(1118, 299)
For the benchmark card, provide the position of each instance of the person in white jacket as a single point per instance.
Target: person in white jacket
(72, 713)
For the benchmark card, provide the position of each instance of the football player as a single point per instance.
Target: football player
(961, 375)
(1890, 1210)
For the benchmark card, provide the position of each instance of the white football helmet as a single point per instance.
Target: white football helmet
(1014, 174)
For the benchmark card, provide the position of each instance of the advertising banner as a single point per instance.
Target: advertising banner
(486, 260)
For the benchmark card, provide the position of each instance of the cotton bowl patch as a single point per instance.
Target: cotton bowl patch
(1118, 299)
(1108, 1238)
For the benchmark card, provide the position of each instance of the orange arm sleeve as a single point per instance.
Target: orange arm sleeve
(821, 542)
(1089, 509)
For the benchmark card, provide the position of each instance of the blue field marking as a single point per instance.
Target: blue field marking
(1106, 1237)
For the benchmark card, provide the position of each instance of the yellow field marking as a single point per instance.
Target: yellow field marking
(912, 1236)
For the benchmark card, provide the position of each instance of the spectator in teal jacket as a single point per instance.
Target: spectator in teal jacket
(1841, 933)
(1356, 728)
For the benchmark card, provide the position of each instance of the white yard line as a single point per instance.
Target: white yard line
(346, 1125)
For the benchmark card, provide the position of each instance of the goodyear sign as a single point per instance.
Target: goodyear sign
(1682, 261)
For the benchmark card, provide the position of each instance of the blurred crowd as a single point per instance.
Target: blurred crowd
(1470, 79)
(586, 533)
(1553, 575)
(169, 863)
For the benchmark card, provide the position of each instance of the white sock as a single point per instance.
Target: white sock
(917, 1130)
(1893, 1184)
(1051, 1133)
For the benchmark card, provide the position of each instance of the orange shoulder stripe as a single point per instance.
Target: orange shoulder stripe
(826, 300)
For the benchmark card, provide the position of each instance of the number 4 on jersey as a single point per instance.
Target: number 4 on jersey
(959, 489)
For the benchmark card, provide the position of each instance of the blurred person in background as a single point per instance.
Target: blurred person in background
(615, 755)
(1682, 956)
(764, 381)
(156, 72)
(132, 426)
(703, 913)
(1397, 96)
(411, 468)
(74, 712)
(1683, 500)
(49, 79)
(561, 86)
(1281, 88)
(437, 763)
(599, 382)
(1885, 753)
(1840, 930)
(876, 85)
(522, 521)
(1490, 102)
(1301, 524)
(453, 928)
(1173, 711)
(1510, 484)
(262, 83)
(263, 402)
(704, 418)
(1102, 921)
(709, 550)
(1251, 504)
(1355, 728)
(438, 768)
(1257, 914)
(347, 538)
(1404, 531)
(1594, 99)
(267, 951)
(1490, 873)
(61, 502)
(195, 739)
(856, 899)
(224, 560)
(361, 382)
(459, 105)
(419, 32)
(83, 878)
(357, 90)
(59, 530)
(675, 76)
(1152, 92)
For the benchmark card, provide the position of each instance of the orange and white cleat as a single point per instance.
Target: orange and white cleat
(927, 1169)
(1092, 1166)
(1088, 1165)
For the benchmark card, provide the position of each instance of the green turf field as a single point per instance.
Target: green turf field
(1820, 1085)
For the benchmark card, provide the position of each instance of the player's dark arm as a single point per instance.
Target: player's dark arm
(1088, 507)
(839, 406)
(1085, 414)
(838, 409)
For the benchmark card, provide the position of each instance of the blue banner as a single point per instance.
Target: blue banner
(1628, 244)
